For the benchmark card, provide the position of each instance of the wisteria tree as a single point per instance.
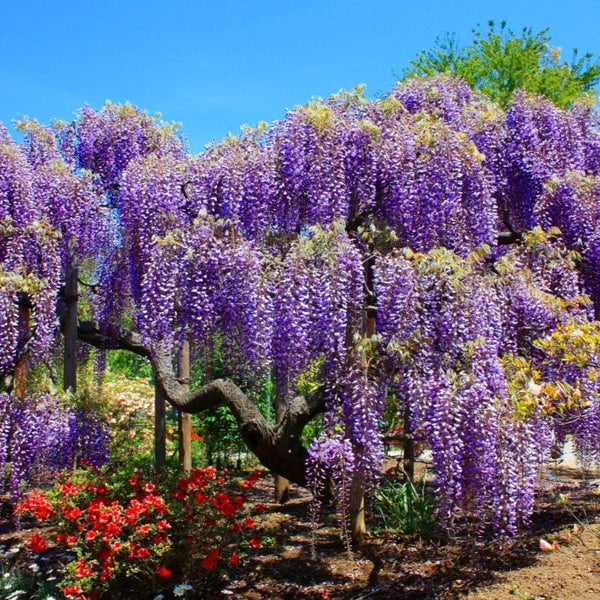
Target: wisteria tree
(428, 251)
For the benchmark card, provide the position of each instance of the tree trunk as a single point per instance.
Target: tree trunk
(71, 293)
(357, 511)
(184, 419)
(357, 499)
(160, 428)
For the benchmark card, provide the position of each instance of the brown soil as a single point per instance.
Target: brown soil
(389, 568)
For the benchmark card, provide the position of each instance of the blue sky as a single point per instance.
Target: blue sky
(216, 65)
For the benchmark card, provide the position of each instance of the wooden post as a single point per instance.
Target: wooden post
(282, 485)
(21, 368)
(184, 419)
(71, 291)
(408, 450)
(160, 428)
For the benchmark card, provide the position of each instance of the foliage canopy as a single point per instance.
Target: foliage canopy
(500, 61)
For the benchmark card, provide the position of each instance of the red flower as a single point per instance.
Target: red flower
(71, 540)
(160, 539)
(224, 505)
(82, 570)
(260, 509)
(254, 542)
(248, 522)
(162, 525)
(60, 538)
(68, 489)
(133, 481)
(163, 572)
(37, 504)
(209, 562)
(111, 530)
(155, 502)
(105, 555)
(234, 559)
(250, 481)
(142, 553)
(148, 488)
(142, 530)
(73, 513)
(37, 543)
(72, 590)
(91, 535)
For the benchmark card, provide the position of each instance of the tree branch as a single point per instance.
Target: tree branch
(506, 238)
(278, 448)
(88, 331)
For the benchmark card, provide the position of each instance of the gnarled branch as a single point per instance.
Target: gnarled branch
(278, 447)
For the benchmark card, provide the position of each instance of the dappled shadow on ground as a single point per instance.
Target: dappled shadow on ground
(384, 567)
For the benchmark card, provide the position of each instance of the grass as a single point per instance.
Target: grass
(405, 508)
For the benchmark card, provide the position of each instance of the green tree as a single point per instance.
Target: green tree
(498, 61)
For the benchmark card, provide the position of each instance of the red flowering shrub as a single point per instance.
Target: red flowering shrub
(129, 533)
(212, 516)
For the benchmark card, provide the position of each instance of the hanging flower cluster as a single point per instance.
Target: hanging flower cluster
(40, 437)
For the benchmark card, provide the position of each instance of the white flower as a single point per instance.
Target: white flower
(34, 567)
(534, 388)
(181, 589)
(159, 597)
(49, 598)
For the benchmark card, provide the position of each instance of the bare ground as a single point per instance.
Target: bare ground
(386, 567)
